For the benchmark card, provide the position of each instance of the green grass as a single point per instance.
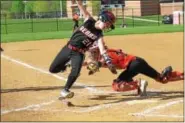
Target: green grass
(66, 34)
(38, 25)
(48, 25)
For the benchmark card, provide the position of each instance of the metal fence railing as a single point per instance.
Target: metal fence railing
(57, 21)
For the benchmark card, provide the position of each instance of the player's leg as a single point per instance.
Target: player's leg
(165, 76)
(127, 83)
(76, 65)
(124, 82)
(59, 63)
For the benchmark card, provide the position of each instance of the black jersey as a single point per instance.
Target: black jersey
(85, 35)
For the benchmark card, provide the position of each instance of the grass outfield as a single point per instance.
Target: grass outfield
(48, 25)
(14, 37)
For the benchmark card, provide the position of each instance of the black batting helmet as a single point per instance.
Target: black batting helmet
(107, 16)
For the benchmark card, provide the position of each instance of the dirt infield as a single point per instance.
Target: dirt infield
(29, 92)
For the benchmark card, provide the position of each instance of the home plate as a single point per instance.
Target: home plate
(141, 101)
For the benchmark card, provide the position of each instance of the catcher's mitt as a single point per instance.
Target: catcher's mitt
(93, 67)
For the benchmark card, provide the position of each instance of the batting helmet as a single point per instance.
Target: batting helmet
(107, 16)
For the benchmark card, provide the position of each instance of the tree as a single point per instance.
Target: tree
(96, 6)
(6, 5)
(17, 8)
(40, 6)
(29, 8)
(54, 6)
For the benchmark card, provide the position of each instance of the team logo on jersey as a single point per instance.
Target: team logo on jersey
(88, 33)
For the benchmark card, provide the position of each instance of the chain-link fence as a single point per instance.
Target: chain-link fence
(57, 21)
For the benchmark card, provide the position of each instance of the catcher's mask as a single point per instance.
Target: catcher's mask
(107, 16)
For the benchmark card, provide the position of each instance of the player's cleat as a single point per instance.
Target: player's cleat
(64, 94)
(142, 87)
(166, 72)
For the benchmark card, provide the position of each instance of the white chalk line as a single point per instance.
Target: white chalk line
(92, 90)
(141, 19)
(149, 111)
(35, 106)
(148, 20)
(160, 115)
(98, 107)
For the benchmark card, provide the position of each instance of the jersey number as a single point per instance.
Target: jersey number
(87, 42)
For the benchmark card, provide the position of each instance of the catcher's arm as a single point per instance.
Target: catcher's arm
(105, 56)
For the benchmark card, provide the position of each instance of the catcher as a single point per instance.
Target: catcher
(132, 65)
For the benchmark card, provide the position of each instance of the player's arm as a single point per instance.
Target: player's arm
(83, 10)
(105, 55)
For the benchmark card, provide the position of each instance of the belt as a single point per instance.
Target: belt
(76, 49)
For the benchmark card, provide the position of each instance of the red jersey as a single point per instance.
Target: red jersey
(120, 59)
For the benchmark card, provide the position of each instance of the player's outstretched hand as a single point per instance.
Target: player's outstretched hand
(112, 68)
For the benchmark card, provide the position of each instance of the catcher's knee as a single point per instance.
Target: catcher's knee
(124, 86)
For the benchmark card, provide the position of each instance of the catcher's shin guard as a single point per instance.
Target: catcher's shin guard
(124, 86)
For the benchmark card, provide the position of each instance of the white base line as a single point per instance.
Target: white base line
(160, 115)
(36, 106)
(150, 110)
(91, 89)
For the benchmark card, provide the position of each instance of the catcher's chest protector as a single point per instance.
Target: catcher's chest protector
(119, 58)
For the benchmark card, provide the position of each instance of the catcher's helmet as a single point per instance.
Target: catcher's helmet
(107, 16)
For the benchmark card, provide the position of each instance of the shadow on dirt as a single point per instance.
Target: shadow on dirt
(151, 95)
(44, 88)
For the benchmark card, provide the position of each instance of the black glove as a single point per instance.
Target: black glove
(109, 63)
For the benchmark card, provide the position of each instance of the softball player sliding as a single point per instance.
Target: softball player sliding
(132, 66)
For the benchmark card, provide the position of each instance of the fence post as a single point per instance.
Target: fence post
(123, 15)
(6, 26)
(57, 20)
(32, 24)
(158, 20)
(158, 15)
(133, 17)
(116, 11)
